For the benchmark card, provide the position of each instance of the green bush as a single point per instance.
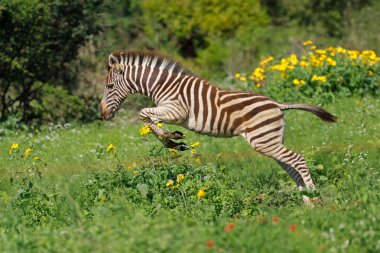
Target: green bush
(38, 39)
(56, 105)
(321, 74)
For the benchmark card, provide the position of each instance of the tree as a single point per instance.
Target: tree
(37, 41)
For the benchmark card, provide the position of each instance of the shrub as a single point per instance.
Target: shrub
(37, 41)
(319, 73)
(57, 105)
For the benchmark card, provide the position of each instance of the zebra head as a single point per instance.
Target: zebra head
(115, 90)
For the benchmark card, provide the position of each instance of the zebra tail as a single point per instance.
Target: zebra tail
(320, 112)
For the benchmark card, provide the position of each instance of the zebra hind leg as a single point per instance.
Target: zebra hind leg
(293, 163)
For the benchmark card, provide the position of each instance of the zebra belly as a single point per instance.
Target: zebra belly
(201, 127)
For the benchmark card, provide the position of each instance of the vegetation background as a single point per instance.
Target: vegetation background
(72, 183)
(58, 49)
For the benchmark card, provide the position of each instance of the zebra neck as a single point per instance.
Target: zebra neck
(157, 84)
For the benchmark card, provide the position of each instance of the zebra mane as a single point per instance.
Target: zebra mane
(149, 59)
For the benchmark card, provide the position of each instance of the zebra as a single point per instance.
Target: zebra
(192, 102)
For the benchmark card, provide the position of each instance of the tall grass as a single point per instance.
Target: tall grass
(70, 194)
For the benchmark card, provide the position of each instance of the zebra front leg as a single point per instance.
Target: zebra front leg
(171, 144)
(160, 114)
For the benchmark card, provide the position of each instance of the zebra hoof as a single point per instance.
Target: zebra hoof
(177, 135)
(182, 146)
(174, 145)
(312, 202)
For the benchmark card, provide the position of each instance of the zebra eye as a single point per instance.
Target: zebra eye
(110, 86)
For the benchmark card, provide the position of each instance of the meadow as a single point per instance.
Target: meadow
(105, 187)
(72, 183)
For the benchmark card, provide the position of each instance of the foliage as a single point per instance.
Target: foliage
(57, 105)
(323, 18)
(215, 38)
(195, 31)
(194, 25)
(199, 31)
(54, 104)
(323, 74)
(38, 40)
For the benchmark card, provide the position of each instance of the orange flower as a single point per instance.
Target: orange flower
(275, 219)
(293, 227)
(229, 227)
(210, 243)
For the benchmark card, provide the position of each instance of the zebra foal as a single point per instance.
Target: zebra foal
(192, 102)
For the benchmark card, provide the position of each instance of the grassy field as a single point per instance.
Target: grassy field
(69, 194)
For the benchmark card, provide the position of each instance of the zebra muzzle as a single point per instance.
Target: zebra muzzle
(105, 113)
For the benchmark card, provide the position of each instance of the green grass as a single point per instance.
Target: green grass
(79, 198)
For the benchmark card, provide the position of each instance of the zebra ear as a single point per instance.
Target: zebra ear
(112, 61)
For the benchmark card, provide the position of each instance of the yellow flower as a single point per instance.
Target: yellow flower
(243, 79)
(340, 50)
(237, 75)
(319, 78)
(170, 183)
(198, 160)
(258, 85)
(298, 82)
(201, 193)
(304, 64)
(258, 74)
(266, 60)
(173, 151)
(330, 61)
(293, 59)
(279, 67)
(133, 165)
(14, 146)
(195, 144)
(159, 124)
(180, 177)
(370, 54)
(370, 72)
(36, 158)
(313, 47)
(320, 51)
(103, 198)
(193, 151)
(353, 54)
(28, 151)
(308, 42)
(145, 130)
(110, 148)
